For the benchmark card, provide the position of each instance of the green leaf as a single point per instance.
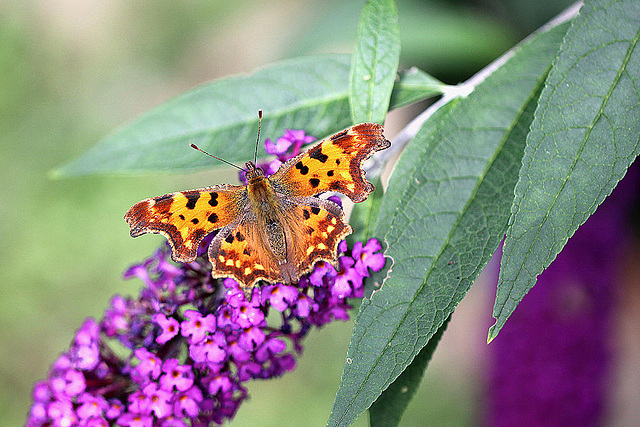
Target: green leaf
(308, 93)
(375, 61)
(443, 215)
(221, 117)
(388, 409)
(416, 86)
(583, 139)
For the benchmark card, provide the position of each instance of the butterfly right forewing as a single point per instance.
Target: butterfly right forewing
(334, 164)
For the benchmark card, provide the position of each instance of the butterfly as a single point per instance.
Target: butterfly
(274, 228)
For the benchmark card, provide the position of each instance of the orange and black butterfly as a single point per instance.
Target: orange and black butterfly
(274, 228)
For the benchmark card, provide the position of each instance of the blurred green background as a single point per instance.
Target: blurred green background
(73, 70)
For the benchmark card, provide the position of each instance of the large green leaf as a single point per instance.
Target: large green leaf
(387, 410)
(583, 139)
(443, 215)
(375, 61)
(221, 117)
(308, 93)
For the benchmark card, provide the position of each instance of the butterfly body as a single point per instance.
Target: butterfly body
(267, 209)
(274, 228)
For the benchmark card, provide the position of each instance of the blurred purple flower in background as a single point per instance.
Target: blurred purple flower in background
(551, 363)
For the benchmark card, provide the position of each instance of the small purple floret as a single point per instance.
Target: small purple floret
(196, 327)
(170, 327)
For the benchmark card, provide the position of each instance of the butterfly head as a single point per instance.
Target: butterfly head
(253, 173)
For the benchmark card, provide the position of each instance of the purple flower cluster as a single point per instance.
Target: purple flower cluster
(180, 353)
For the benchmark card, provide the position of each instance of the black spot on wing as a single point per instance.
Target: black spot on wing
(314, 182)
(315, 210)
(194, 221)
(213, 218)
(316, 153)
(330, 173)
(181, 217)
(302, 168)
(305, 214)
(240, 237)
(229, 238)
(214, 198)
(192, 199)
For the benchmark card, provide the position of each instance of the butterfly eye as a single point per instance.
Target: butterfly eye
(253, 173)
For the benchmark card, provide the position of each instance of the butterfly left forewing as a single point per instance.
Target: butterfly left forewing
(335, 164)
(186, 217)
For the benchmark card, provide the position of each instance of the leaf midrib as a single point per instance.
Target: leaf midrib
(372, 78)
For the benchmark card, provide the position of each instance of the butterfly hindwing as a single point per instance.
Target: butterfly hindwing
(335, 164)
(314, 228)
(186, 217)
(239, 252)
(320, 228)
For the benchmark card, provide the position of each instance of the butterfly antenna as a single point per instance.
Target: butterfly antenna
(255, 156)
(195, 147)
